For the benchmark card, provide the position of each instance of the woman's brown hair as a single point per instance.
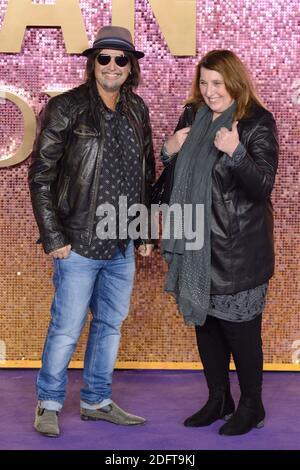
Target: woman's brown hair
(133, 79)
(236, 78)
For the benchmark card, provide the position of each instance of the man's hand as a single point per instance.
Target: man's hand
(227, 141)
(174, 143)
(145, 250)
(61, 253)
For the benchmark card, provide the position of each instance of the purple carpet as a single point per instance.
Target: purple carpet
(165, 398)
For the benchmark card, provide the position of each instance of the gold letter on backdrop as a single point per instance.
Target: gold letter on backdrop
(123, 14)
(176, 18)
(29, 130)
(22, 13)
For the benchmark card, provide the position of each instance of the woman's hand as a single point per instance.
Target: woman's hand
(227, 141)
(174, 143)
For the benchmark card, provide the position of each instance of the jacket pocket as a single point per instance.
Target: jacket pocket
(85, 131)
(234, 226)
(61, 205)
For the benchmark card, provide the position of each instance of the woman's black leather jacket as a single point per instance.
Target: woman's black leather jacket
(242, 249)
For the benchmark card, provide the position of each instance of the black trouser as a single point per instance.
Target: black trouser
(216, 339)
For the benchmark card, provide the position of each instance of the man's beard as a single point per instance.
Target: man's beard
(110, 86)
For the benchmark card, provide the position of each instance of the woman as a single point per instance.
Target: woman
(227, 161)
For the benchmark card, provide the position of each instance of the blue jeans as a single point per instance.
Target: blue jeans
(104, 287)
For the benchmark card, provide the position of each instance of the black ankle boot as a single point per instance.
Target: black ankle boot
(250, 414)
(220, 405)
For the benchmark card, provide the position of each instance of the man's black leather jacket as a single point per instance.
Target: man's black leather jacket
(66, 164)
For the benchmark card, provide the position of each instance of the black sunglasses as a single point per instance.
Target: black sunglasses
(104, 59)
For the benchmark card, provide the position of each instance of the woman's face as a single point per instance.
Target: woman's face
(212, 88)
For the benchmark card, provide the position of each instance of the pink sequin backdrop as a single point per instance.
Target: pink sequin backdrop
(266, 36)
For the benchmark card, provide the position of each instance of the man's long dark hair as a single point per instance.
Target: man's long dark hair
(133, 79)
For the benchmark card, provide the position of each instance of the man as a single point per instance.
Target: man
(94, 145)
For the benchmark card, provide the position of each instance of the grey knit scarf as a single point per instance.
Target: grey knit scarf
(188, 278)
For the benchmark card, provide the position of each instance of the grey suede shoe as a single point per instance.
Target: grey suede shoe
(46, 422)
(112, 413)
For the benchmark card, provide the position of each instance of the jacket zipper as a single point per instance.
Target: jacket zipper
(98, 168)
(143, 189)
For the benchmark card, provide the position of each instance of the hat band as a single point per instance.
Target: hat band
(101, 43)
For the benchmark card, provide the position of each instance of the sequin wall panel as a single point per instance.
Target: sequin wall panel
(266, 35)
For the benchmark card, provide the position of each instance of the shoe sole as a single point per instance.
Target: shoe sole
(257, 426)
(92, 418)
(47, 434)
(224, 418)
